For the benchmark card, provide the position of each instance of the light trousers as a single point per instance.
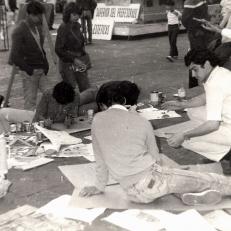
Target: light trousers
(160, 181)
(31, 84)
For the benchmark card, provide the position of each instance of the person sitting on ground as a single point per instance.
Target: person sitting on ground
(211, 111)
(58, 105)
(62, 104)
(125, 147)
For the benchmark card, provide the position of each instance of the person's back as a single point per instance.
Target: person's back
(126, 141)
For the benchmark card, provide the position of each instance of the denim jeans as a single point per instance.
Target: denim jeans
(74, 78)
(87, 30)
(31, 84)
(173, 31)
(160, 181)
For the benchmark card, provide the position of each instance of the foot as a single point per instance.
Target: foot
(170, 58)
(175, 57)
(206, 197)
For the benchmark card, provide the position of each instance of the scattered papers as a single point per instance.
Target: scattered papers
(219, 219)
(59, 138)
(190, 220)
(153, 113)
(26, 163)
(135, 220)
(159, 220)
(59, 207)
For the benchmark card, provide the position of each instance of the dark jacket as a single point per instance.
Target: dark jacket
(25, 52)
(67, 46)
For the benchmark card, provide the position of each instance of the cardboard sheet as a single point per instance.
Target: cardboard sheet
(185, 126)
(115, 198)
(84, 174)
(82, 124)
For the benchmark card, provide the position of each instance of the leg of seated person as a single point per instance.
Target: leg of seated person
(14, 115)
(162, 181)
(88, 96)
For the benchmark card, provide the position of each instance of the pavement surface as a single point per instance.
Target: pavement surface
(142, 61)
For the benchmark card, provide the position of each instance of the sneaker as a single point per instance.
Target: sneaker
(170, 58)
(206, 197)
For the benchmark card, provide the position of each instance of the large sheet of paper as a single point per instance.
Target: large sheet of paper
(115, 198)
(81, 124)
(58, 138)
(135, 220)
(59, 207)
(219, 219)
(153, 114)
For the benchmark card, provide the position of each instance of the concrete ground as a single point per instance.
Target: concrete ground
(142, 61)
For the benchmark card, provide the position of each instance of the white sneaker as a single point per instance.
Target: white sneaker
(206, 197)
(170, 58)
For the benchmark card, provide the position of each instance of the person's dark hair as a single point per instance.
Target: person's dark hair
(129, 91)
(169, 3)
(69, 9)
(121, 92)
(35, 7)
(63, 93)
(200, 57)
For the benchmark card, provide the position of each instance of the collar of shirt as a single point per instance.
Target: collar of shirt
(118, 106)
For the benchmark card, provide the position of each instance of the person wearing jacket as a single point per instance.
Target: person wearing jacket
(69, 47)
(28, 54)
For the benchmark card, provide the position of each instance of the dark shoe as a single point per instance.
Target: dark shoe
(206, 197)
(170, 58)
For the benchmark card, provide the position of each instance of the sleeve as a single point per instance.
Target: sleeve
(16, 56)
(60, 46)
(101, 168)
(214, 101)
(226, 33)
(151, 142)
(41, 109)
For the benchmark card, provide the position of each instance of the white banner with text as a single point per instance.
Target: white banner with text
(128, 13)
(102, 29)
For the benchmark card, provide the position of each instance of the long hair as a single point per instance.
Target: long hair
(70, 8)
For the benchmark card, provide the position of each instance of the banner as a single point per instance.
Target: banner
(102, 29)
(117, 13)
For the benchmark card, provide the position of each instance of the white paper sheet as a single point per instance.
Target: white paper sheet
(153, 114)
(59, 207)
(190, 220)
(26, 163)
(59, 138)
(88, 137)
(135, 220)
(219, 219)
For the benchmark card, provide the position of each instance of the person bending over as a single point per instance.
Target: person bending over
(125, 147)
(211, 111)
(62, 103)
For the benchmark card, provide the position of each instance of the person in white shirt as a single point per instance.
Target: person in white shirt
(174, 17)
(211, 111)
(125, 147)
